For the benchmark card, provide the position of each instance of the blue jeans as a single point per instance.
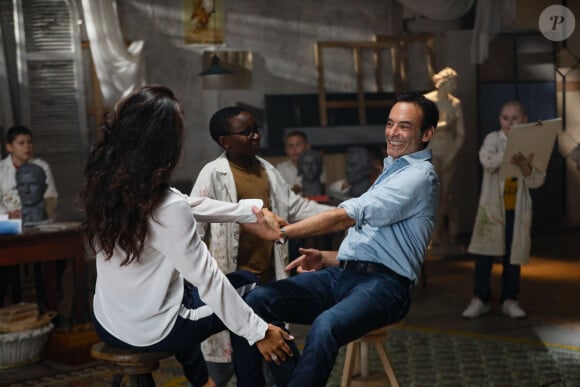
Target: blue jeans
(340, 305)
(510, 276)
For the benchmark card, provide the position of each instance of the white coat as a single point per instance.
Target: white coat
(488, 237)
(217, 182)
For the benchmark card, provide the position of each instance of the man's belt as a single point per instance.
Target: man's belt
(371, 267)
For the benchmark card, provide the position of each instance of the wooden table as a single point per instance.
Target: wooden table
(39, 246)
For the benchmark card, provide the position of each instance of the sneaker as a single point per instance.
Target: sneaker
(475, 308)
(512, 309)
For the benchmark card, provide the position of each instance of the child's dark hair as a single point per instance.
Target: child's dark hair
(219, 124)
(16, 130)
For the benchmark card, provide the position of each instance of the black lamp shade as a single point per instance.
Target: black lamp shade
(215, 68)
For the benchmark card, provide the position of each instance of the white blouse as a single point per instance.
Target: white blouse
(139, 303)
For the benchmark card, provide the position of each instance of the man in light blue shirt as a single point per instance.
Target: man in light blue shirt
(365, 285)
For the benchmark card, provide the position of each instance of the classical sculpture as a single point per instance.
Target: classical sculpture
(446, 145)
(310, 168)
(31, 185)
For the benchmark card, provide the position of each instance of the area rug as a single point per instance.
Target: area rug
(427, 357)
(420, 357)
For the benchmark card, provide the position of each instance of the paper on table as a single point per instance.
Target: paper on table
(535, 137)
(57, 226)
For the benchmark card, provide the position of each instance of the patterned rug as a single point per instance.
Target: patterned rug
(420, 357)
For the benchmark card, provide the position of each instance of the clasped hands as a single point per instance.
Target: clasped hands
(267, 225)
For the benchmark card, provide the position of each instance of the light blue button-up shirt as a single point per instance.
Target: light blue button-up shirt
(395, 217)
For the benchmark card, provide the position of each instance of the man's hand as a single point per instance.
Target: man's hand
(267, 224)
(273, 346)
(310, 260)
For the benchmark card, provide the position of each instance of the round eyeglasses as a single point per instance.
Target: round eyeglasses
(248, 132)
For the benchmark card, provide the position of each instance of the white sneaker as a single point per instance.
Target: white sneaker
(475, 308)
(513, 309)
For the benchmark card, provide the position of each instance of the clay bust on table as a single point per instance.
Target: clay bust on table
(31, 186)
(363, 165)
(358, 169)
(446, 145)
(310, 168)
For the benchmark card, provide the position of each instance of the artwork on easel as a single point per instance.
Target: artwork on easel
(200, 24)
(534, 137)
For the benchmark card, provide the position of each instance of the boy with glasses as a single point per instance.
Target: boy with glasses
(239, 173)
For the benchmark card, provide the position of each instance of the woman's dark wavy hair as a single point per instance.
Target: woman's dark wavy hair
(129, 170)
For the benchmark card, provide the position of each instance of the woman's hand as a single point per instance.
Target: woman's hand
(273, 346)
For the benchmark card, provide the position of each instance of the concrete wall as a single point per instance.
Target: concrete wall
(281, 34)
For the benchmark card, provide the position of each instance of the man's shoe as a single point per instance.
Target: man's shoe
(475, 308)
(512, 309)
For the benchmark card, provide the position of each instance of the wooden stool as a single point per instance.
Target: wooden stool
(356, 370)
(125, 362)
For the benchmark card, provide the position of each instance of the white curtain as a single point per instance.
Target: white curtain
(120, 69)
(441, 10)
(490, 16)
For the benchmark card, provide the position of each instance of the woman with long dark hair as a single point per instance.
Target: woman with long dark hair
(158, 288)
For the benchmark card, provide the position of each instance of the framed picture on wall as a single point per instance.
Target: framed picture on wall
(203, 21)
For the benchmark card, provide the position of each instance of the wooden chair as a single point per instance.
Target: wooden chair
(138, 366)
(356, 371)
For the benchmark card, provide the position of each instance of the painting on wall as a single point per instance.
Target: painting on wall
(200, 24)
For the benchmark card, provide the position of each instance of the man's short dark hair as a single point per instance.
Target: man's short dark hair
(428, 107)
(219, 124)
(17, 131)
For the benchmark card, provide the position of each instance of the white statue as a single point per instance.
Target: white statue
(445, 145)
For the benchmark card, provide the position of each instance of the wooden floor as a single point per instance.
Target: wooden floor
(550, 293)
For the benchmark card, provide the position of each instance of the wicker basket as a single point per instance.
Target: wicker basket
(24, 347)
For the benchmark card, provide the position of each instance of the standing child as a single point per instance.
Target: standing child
(239, 173)
(504, 218)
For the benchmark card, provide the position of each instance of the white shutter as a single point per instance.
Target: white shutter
(52, 95)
